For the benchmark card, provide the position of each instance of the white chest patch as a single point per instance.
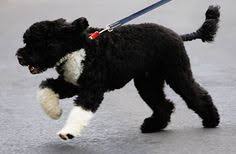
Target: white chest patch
(73, 66)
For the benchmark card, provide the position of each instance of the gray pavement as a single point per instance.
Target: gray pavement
(24, 128)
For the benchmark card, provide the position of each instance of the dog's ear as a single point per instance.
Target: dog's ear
(81, 24)
(61, 27)
(60, 21)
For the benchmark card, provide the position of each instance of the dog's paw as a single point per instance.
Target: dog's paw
(77, 120)
(66, 136)
(49, 101)
(68, 133)
(152, 124)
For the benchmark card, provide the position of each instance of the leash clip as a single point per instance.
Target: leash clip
(108, 28)
(96, 34)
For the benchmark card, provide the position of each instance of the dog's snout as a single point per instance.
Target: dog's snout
(20, 51)
(21, 60)
(20, 57)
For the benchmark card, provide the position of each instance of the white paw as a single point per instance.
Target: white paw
(77, 120)
(68, 133)
(49, 101)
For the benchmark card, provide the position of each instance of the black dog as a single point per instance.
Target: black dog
(148, 53)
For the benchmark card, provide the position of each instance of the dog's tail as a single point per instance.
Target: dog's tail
(209, 28)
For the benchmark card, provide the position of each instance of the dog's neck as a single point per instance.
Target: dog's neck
(71, 66)
(64, 59)
(84, 37)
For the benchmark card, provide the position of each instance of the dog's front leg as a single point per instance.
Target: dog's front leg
(50, 91)
(85, 106)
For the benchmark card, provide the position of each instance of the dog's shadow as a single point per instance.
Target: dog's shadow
(111, 142)
(63, 147)
(88, 145)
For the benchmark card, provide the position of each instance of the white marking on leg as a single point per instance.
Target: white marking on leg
(77, 120)
(49, 101)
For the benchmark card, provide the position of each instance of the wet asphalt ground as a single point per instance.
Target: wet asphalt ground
(24, 128)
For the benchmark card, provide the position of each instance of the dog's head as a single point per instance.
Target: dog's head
(47, 42)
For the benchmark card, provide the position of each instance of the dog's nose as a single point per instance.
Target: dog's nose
(21, 60)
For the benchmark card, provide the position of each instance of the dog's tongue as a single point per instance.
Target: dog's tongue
(33, 70)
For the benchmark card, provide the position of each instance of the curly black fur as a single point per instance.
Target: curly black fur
(209, 28)
(148, 53)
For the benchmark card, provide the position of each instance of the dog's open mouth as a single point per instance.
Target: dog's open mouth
(35, 70)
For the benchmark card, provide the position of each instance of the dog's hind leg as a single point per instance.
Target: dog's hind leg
(150, 88)
(196, 97)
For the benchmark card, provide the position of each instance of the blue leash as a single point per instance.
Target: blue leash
(129, 18)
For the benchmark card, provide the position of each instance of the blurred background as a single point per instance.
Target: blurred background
(24, 128)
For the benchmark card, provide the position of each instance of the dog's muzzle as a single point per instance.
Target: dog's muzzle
(21, 60)
(20, 57)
